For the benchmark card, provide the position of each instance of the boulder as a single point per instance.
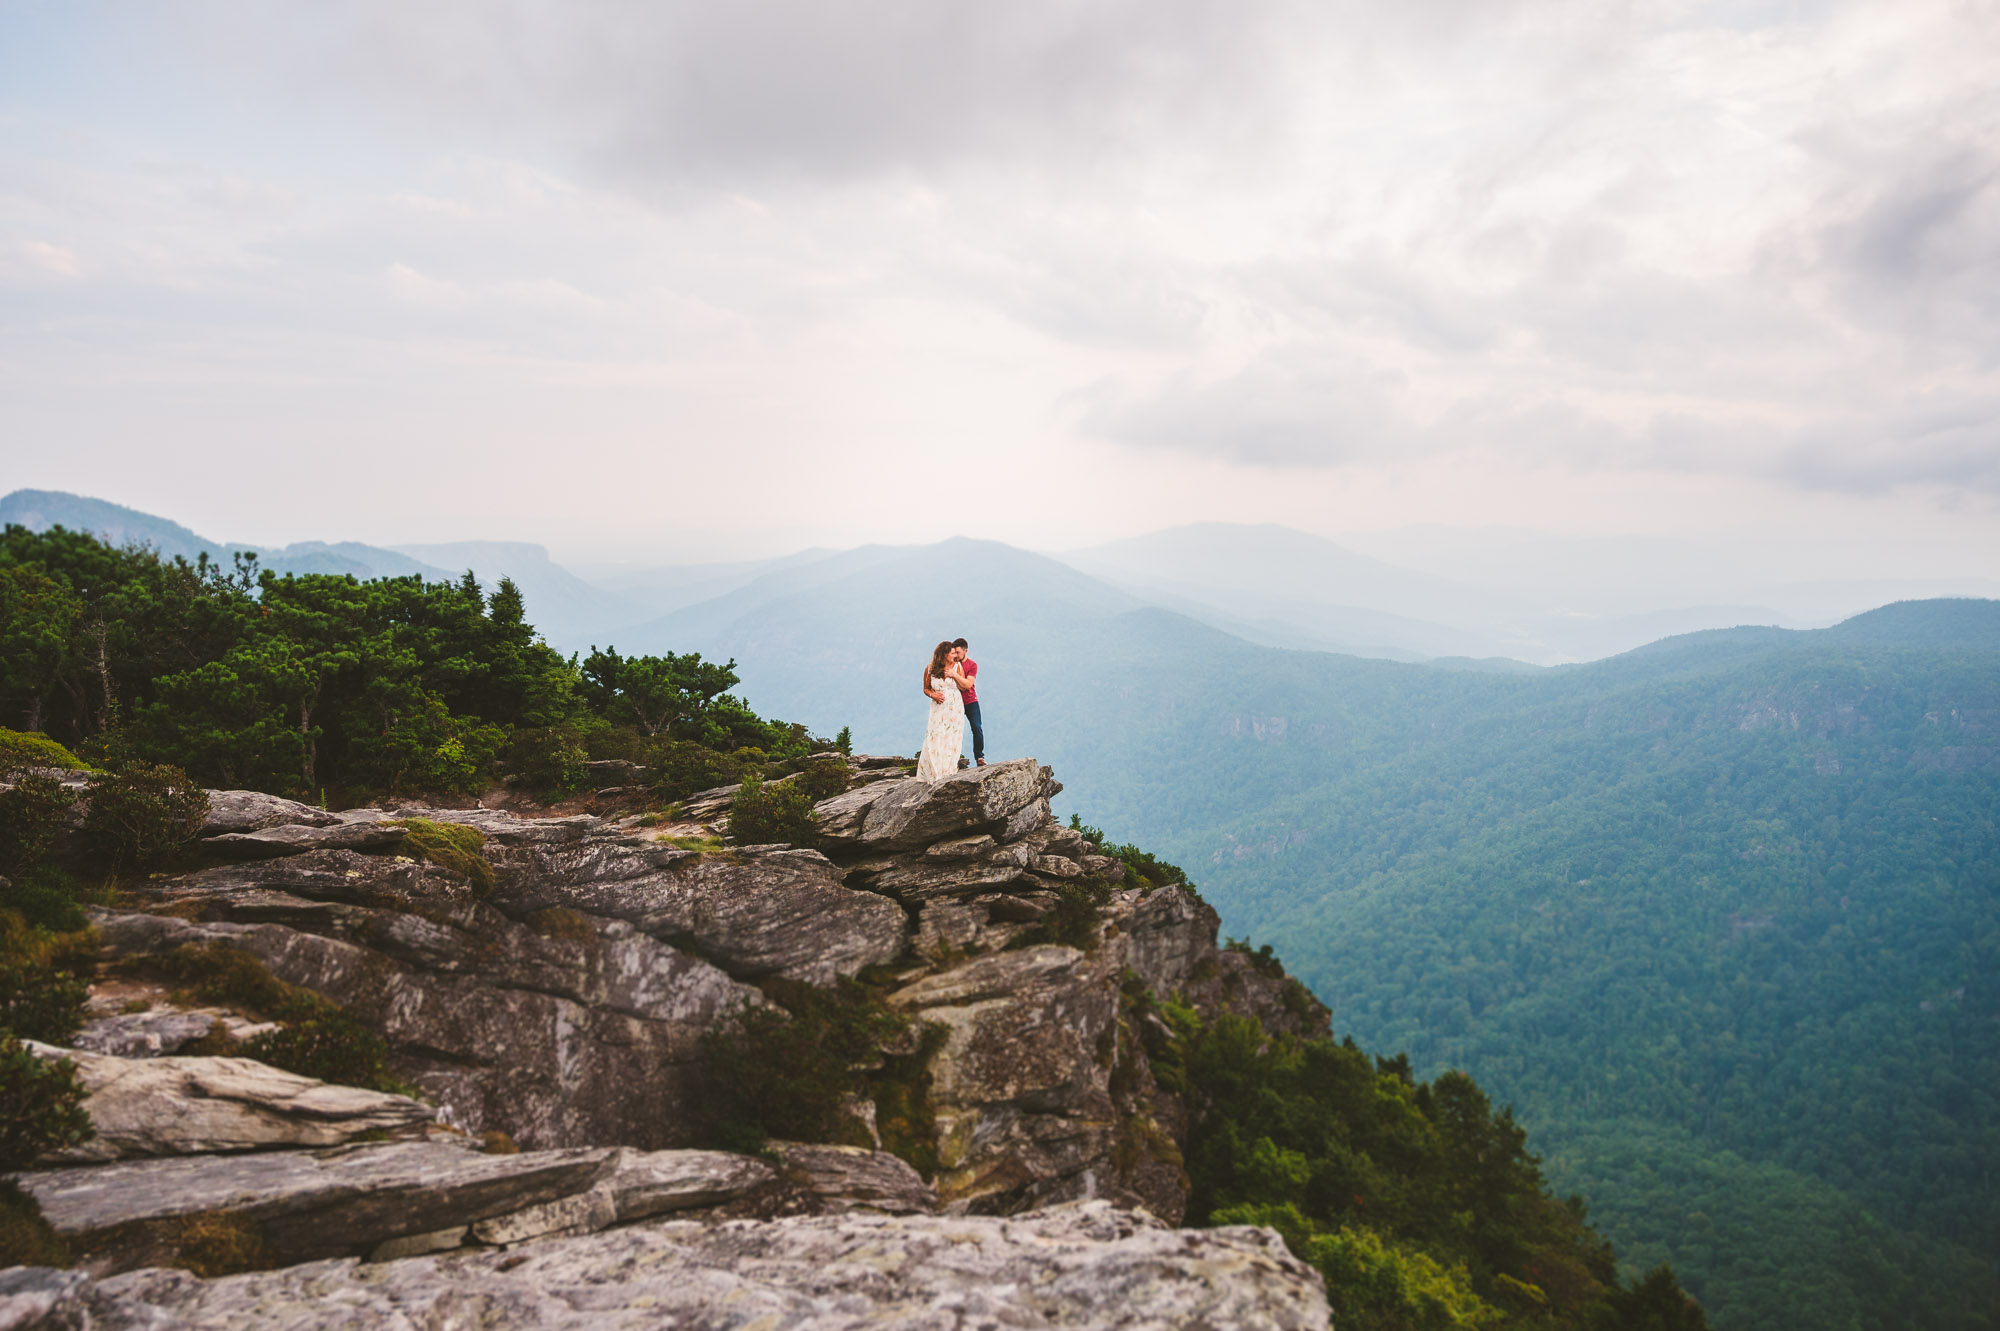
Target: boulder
(848, 1178)
(1021, 1087)
(755, 912)
(1080, 1266)
(181, 1106)
(303, 1205)
(272, 843)
(910, 814)
(563, 1030)
(157, 1031)
(253, 810)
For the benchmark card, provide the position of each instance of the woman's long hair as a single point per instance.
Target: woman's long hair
(939, 663)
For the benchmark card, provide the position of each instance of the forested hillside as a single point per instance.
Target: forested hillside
(1720, 918)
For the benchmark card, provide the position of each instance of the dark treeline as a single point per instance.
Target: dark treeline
(319, 684)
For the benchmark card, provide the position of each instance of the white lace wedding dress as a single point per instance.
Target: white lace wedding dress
(944, 736)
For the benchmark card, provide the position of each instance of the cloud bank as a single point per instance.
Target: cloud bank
(1756, 246)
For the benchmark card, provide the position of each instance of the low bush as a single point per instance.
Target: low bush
(29, 748)
(1262, 960)
(551, 759)
(1143, 869)
(823, 778)
(26, 1239)
(46, 896)
(41, 1106)
(34, 817)
(42, 991)
(328, 1044)
(681, 767)
(1074, 920)
(39, 1002)
(144, 817)
(790, 1070)
(452, 846)
(220, 1243)
(762, 815)
(317, 1038)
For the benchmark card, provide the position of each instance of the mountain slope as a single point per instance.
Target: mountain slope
(1333, 599)
(571, 613)
(1720, 918)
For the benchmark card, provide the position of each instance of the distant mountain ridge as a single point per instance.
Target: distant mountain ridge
(569, 610)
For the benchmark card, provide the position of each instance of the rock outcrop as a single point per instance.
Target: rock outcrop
(563, 1003)
(1077, 1266)
(189, 1106)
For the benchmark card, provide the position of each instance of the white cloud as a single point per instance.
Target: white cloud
(1271, 256)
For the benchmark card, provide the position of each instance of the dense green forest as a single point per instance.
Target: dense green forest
(1719, 918)
(323, 686)
(1420, 1201)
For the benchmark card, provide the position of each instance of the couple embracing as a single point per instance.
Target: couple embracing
(948, 683)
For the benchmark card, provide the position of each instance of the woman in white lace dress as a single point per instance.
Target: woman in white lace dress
(944, 736)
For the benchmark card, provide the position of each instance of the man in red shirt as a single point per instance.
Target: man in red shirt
(971, 699)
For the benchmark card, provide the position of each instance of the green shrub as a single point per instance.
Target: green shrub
(1074, 919)
(1371, 1284)
(45, 896)
(20, 749)
(327, 1044)
(762, 815)
(144, 817)
(452, 846)
(34, 817)
(26, 1239)
(551, 759)
(844, 741)
(788, 1071)
(1143, 869)
(317, 1039)
(40, 1002)
(220, 1243)
(1262, 960)
(823, 778)
(41, 1106)
(681, 767)
(41, 996)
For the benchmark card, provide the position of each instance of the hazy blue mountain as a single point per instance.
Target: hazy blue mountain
(1289, 588)
(571, 613)
(39, 510)
(666, 588)
(842, 640)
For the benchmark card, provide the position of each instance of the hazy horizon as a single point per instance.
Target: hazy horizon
(680, 282)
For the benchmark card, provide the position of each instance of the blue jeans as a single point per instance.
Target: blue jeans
(978, 732)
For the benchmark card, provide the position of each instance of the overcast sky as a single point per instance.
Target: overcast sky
(728, 278)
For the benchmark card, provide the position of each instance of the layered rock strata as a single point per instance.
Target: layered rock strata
(1078, 1266)
(566, 1006)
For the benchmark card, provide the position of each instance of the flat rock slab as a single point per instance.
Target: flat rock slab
(909, 814)
(1074, 1266)
(185, 1106)
(305, 1204)
(753, 911)
(253, 810)
(848, 1178)
(271, 843)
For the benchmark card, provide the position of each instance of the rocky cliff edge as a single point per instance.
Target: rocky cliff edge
(562, 1007)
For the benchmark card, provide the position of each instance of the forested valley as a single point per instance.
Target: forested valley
(1720, 919)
